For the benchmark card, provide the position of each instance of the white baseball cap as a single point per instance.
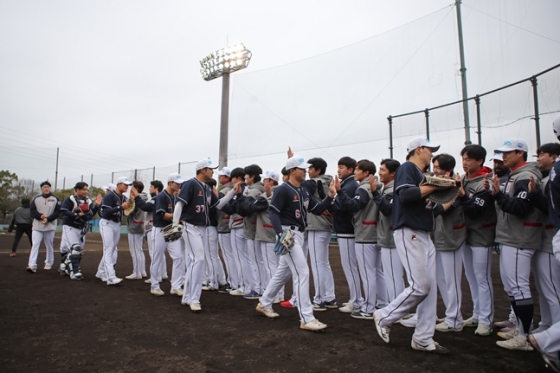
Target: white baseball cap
(225, 171)
(511, 145)
(556, 127)
(124, 180)
(296, 161)
(497, 157)
(271, 174)
(205, 163)
(176, 178)
(421, 141)
(111, 186)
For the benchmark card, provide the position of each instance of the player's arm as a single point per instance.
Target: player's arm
(519, 204)
(221, 202)
(355, 204)
(67, 209)
(310, 185)
(56, 211)
(478, 204)
(276, 206)
(384, 202)
(317, 208)
(143, 205)
(33, 210)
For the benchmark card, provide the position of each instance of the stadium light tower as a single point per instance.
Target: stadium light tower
(220, 64)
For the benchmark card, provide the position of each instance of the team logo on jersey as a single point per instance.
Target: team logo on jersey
(200, 192)
(306, 203)
(209, 199)
(295, 198)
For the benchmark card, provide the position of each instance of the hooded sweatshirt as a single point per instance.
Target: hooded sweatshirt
(250, 194)
(323, 222)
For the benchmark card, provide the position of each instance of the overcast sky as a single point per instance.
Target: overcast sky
(115, 85)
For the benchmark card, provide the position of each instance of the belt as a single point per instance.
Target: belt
(295, 228)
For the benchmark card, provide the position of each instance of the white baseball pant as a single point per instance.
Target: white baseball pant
(137, 254)
(393, 271)
(71, 236)
(294, 263)
(305, 248)
(48, 238)
(556, 246)
(193, 238)
(449, 272)
(318, 243)
(239, 255)
(224, 240)
(478, 267)
(110, 235)
(368, 262)
(546, 271)
(418, 255)
(175, 251)
(270, 260)
(347, 249)
(215, 268)
(549, 340)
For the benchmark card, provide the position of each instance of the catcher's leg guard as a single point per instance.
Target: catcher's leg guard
(63, 270)
(73, 262)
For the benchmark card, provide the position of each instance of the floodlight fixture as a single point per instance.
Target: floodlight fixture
(225, 61)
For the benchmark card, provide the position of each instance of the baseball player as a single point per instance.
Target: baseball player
(224, 231)
(413, 220)
(392, 266)
(365, 229)
(135, 229)
(288, 210)
(254, 267)
(342, 223)
(237, 241)
(76, 210)
(193, 208)
(44, 210)
(319, 230)
(215, 275)
(112, 208)
(546, 270)
(163, 216)
(449, 238)
(148, 206)
(547, 343)
(519, 233)
(22, 221)
(480, 216)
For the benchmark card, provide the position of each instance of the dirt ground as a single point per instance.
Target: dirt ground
(52, 324)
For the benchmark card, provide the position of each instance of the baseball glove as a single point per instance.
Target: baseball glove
(284, 242)
(173, 232)
(442, 195)
(131, 206)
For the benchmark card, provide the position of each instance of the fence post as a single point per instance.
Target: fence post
(154, 173)
(478, 123)
(135, 174)
(536, 107)
(64, 183)
(179, 168)
(390, 119)
(112, 176)
(427, 115)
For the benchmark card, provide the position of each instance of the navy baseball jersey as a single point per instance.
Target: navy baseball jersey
(73, 219)
(111, 207)
(198, 199)
(409, 208)
(164, 202)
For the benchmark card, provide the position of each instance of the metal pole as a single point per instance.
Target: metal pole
(82, 179)
(536, 104)
(463, 74)
(112, 176)
(179, 168)
(390, 119)
(224, 122)
(154, 173)
(427, 115)
(91, 181)
(135, 174)
(63, 183)
(56, 171)
(478, 121)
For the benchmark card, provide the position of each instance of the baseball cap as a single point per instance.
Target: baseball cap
(176, 178)
(556, 127)
(124, 180)
(296, 161)
(271, 174)
(205, 163)
(511, 145)
(497, 157)
(421, 141)
(110, 186)
(225, 171)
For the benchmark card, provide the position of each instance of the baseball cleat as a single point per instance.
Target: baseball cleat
(13, 254)
(178, 292)
(410, 322)
(518, 343)
(483, 330)
(314, 326)
(148, 281)
(383, 331)
(362, 315)
(157, 292)
(331, 304)
(47, 267)
(504, 324)
(287, 304)
(224, 289)
(551, 361)
(471, 322)
(76, 276)
(133, 277)
(508, 335)
(433, 347)
(116, 281)
(349, 308)
(444, 327)
(252, 295)
(206, 287)
(268, 312)
(236, 292)
(196, 307)
(319, 307)
(31, 269)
